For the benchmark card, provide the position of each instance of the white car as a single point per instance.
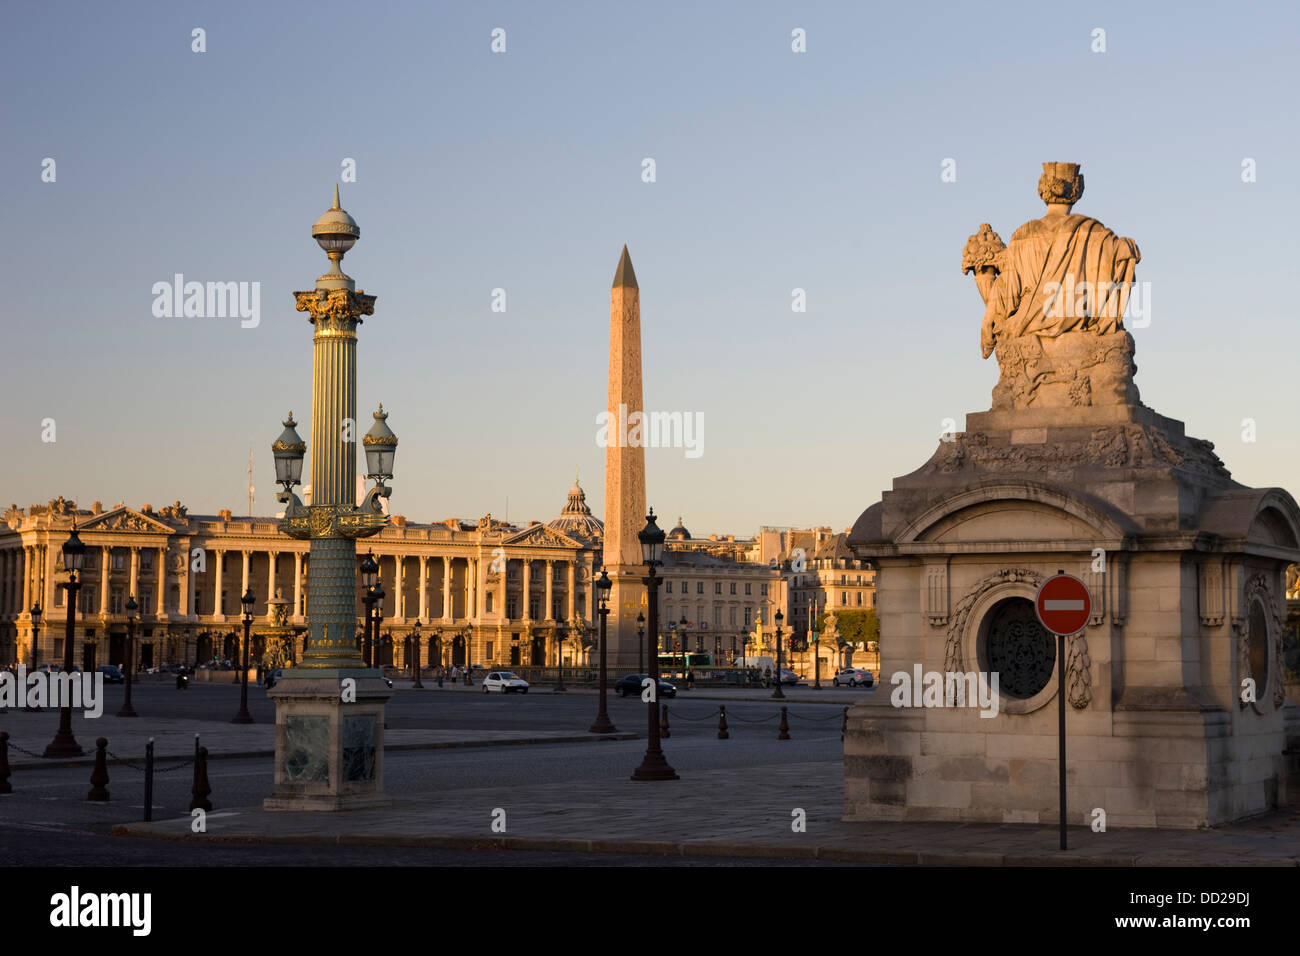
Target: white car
(505, 682)
(853, 677)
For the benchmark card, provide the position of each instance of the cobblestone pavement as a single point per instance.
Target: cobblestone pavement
(736, 812)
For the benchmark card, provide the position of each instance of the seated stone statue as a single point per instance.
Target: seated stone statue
(1054, 303)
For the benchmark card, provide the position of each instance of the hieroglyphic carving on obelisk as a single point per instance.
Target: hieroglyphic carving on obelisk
(625, 504)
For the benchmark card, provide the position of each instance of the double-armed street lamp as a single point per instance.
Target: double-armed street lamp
(131, 609)
(415, 659)
(653, 765)
(36, 636)
(602, 724)
(64, 743)
(244, 717)
(779, 663)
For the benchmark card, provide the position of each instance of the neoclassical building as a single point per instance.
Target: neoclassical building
(486, 591)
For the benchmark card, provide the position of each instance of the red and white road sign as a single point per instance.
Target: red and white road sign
(1063, 604)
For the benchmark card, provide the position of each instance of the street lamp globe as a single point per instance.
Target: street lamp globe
(288, 451)
(336, 232)
(74, 552)
(247, 601)
(652, 540)
(381, 445)
(369, 569)
(131, 608)
(36, 613)
(603, 583)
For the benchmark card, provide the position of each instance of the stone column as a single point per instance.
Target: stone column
(548, 612)
(135, 573)
(399, 609)
(527, 614)
(504, 610)
(424, 580)
(160, 583)
(297, 585)
(247, 560)
(480, 599)
(469, 588)
(218, 612)
(105, 573)
(572, 581)
(27, 581)
(270, 580)
(446, 589)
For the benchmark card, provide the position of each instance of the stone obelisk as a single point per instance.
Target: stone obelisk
(625, 506)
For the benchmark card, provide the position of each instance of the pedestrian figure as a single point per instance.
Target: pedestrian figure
(690, 679)
(767, 677)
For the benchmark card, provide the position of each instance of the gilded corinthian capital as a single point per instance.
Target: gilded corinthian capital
(336, 309)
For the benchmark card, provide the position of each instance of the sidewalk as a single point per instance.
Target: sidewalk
(734, 813)
(174, 737)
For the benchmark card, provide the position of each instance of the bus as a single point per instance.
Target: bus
(672, 663)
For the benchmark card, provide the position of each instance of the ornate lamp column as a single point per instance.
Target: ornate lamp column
(602, 724)
(653, 766)
(244, 717)
(36, 637)
(131, 609)
(330, 709)
(64, 743)
(779, 664)
(415, 660)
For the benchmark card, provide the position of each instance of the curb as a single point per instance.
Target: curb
(89, 761)
(830, 854)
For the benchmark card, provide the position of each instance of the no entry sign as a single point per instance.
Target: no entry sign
(1063, 604)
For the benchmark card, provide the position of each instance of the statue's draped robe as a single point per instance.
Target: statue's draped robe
(1044, 260)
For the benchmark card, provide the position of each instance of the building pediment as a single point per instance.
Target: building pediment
(125, 519)
(541, 536)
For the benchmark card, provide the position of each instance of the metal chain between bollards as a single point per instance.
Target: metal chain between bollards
(708, 716)
(188, 761)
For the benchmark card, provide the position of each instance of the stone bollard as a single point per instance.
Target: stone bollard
(201, 787)
(722, 722)
(99, 775)
(844, 727)
(663, 723)
(785, 726)
(4, 763)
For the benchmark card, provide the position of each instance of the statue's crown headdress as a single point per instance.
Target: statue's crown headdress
(1060, 183)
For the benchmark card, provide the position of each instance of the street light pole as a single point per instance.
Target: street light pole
(36, 632)
(640, 643)
(244, 717)
(131, 609)
(603, 725)
(469, 637)
(415, 649)
(559, 654)
(778, 692)
(74, 552)
(816, 642)
(378, 602)
(653, 766)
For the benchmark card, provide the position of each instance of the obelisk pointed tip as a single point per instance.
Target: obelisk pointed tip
(625, 277)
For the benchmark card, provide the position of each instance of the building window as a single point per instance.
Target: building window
(146, 560)
(844, 598)
(699, 587)
(762, 589)
(733, 587)
(488, 598)
(58, 597)
(873, 598)
(717, 587)
(859, 599)
(511, 608)
(749, 615)
(717, 616)
(668, 587)
(489, 651)
(119, 559)
(733, 617)
(87, 600)
(115, 601)
(747, 587)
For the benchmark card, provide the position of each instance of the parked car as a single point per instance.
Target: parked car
(505, 682)
(632, 685)
(854, 677)
(112, 674)
(789, 677)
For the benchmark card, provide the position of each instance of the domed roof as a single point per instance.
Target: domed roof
(679, 533)
(576, 519)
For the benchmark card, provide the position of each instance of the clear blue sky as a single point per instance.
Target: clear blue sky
(522, 171)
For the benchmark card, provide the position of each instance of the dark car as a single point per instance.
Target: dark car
(112, 674)
(631, 684)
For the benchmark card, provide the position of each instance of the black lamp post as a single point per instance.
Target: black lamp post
(640, 643)
(64, 743)
(682, 625)
(36, 633)
(560, 635)
(653, 765)
(369, 576)
(603, 725)
(415, 660)
(377, 598)
(816, 644)
(469, 636)
(778, 692)
(244, 717)
(131, 609)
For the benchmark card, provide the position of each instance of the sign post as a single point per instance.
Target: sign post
(1063, 606)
